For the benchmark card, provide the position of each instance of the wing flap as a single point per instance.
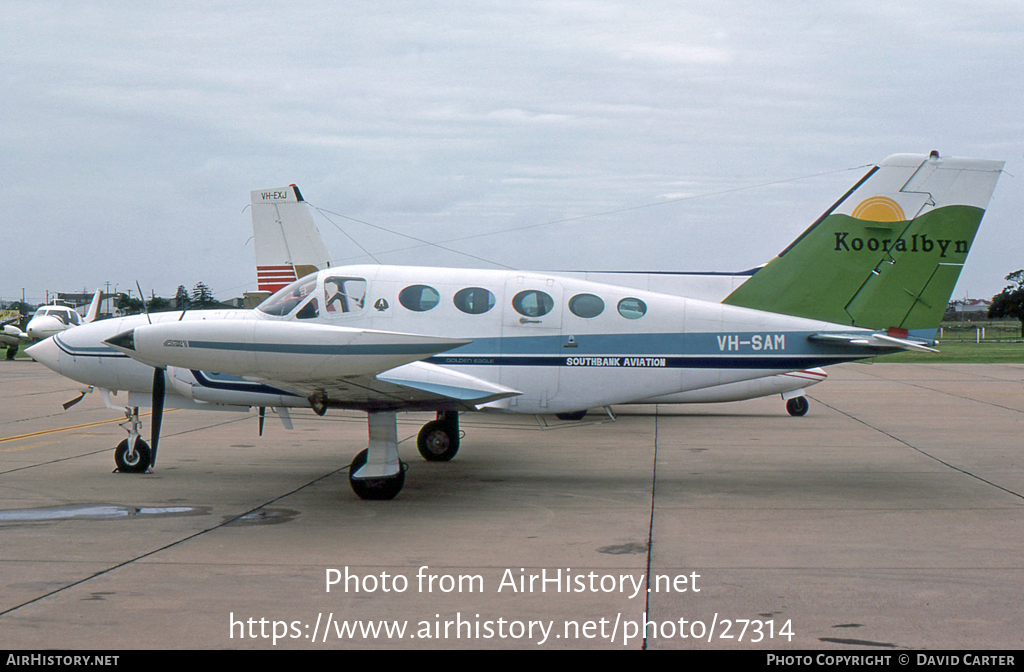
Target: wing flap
(418, 385)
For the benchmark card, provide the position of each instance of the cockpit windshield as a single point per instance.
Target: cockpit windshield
(286, 298)
(65, 315)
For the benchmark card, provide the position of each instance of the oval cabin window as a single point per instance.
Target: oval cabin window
(533, 303)
(632, 309)
(586, 305)
(419, 298)
(474, 300)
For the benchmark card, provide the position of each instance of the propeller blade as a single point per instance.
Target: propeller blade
(145, 308)
(69, 404)
(263, 417)
(158, 409)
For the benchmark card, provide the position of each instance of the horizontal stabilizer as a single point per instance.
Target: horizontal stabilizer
(871, 340)
(446, 383)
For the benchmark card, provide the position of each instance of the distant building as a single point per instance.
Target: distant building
(971, 306)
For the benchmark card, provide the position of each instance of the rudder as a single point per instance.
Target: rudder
(886, 255)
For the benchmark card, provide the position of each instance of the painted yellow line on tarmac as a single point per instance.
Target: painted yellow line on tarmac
(65, 429)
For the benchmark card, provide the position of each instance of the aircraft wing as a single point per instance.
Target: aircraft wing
(413, 385)
(332, 366)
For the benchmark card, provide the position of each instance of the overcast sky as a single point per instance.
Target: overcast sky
(131, 133)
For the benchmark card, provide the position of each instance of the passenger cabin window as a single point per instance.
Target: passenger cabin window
(586, 305)
(533, 303)
(474, 300)
(287, 298)
(419, 298)
(632, 309)
(344, 295)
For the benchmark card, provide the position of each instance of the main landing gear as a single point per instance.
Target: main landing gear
(797, 406)
(378, 473)
(438, 441)
(133, 455)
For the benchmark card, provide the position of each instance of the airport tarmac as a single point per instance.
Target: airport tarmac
(889, 518)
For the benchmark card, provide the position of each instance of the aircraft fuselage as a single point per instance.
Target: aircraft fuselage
(564, 343)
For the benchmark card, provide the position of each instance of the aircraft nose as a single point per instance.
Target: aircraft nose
(39, 329)
(46, 353)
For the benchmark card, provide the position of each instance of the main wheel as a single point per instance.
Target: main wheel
(133, 462)
(375, 488)
(12, 350)
(575, 415)
(437, 442)
(797, 406)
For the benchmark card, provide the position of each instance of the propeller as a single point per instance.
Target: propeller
(263, 416)
(145, 308)
(159, 388)
(159, 391)
(69, 404)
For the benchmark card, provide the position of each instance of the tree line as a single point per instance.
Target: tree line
(200, 298)
(1010, 301)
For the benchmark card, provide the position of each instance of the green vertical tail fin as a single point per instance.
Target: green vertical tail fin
(888, 253)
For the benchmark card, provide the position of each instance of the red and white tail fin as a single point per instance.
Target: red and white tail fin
(288, 244)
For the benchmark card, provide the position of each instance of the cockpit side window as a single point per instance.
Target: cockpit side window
(344, 295)
(287, 298)
(308, 311)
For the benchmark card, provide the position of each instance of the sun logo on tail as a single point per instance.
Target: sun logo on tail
(879, 209)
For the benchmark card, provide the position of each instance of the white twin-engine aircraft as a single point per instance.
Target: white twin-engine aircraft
(873, 275)
(55, 318)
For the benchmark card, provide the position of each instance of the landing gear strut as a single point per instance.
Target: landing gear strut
(133, 455)
(438, 441)
(377, 473)
(797, 406)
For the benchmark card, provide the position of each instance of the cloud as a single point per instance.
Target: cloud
(133, 132)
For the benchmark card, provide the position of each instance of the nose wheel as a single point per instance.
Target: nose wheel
(133, 459)
(133, 455)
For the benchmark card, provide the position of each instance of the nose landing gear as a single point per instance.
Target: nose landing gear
(133, 455)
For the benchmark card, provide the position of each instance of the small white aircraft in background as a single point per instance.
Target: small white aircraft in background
(873, 275)
(55, 318)
(10, 335)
